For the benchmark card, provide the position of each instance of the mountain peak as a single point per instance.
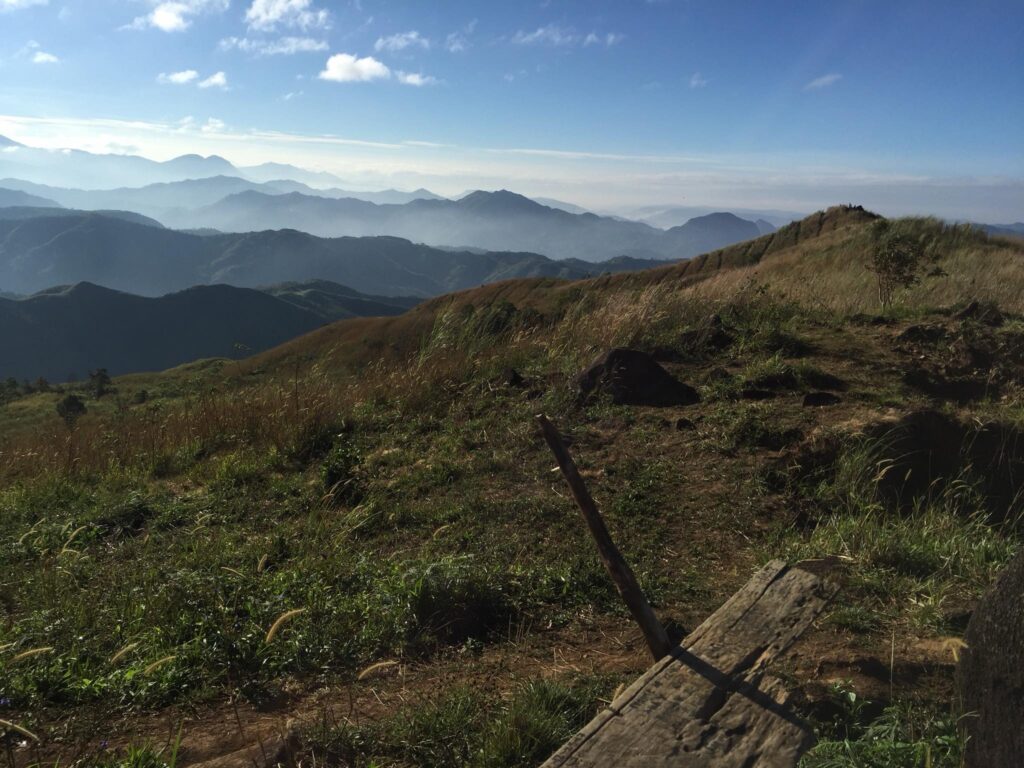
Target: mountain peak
(500, 201)
(5, 142)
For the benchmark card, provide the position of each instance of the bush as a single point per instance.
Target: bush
(339, 473)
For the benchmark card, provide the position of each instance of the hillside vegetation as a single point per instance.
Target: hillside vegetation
(359, 532)
(63, 333)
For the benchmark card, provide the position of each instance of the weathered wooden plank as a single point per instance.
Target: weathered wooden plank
(707, 704)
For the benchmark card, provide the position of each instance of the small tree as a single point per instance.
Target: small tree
(71, 409)
(898, 263)
(99, 382)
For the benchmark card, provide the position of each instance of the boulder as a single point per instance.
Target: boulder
(991, 674)
(632, 377)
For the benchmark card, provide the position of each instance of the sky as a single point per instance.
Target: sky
(906, 107)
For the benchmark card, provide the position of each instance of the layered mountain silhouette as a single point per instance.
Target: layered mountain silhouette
(76, 168)
(13, 197)
(64, 332)
(68, 247)
(173, 200)
(489, 220)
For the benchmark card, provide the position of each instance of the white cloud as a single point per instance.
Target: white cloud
(346, 68)
(16, 5)
(302, 14)
(213, 125)
(177, 78)
(42, 57)
(607, 40)
(216, 80)
(282, 46)
(697, 80)
(292, 95)
(416, 79)
(458, 41)
(401, 41)
(550, 34)
(176, 15)
(823, 82)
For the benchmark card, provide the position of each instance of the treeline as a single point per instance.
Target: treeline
(97, 385)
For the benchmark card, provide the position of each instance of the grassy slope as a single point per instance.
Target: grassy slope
(382, 475)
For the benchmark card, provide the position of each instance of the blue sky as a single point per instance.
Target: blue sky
(905, 106)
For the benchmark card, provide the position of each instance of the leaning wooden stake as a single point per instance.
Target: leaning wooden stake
(614, 563)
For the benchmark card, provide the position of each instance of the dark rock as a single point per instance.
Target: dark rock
(984, 312)
(818, 399)
(684, 425)
(991, 674)
(632, 377)
(752, 393)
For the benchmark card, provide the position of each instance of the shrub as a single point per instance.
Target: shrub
(339, 473)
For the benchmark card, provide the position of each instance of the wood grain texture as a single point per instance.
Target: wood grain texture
(709, 702)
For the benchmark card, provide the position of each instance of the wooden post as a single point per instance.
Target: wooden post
(617, 567)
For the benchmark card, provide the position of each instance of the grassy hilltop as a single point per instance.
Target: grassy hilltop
(360, 532)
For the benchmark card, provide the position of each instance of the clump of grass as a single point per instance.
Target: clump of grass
(749, 425)
(907, 562)
(339, 473)
(902, 734)
(467, 727)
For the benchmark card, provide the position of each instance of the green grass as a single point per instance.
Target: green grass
(465, 727)
(899, 735)
(908, 562)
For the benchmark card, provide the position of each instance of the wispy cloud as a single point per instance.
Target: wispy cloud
(550, 34)
(16, 5)
(608, 40)
(213, 125)
(401, 41)
(267, 15)
(216, 80)
(563, 37)
(347, 68)
(177, 15)
(42, 57)
(177, 78)
(415, 78)
(823, 82)
(697, 80)
(458, 41)
(283, 46)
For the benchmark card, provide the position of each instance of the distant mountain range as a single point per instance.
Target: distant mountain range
(174, 199)
(39, 250)
(494, 221)
(1014, 230)
(14, 197)
(666, 217)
